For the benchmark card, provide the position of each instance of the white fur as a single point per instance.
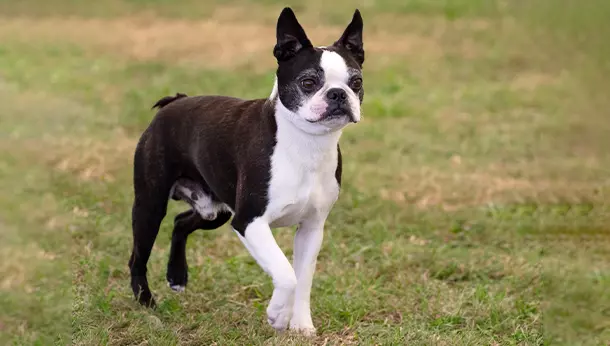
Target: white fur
(302, 190)
(177, 288)
(303, 168)
(307, 243)
(260, 243)
(274, 90)
(335, 69)
(204, 205)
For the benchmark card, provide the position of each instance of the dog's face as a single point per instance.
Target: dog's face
(320, 89)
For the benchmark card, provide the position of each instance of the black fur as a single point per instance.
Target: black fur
(339, 169)
(167, 100)
(186, 135)
(290, 36)
(184, 224)
(351, 40)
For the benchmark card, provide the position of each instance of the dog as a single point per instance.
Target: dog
(272, 162)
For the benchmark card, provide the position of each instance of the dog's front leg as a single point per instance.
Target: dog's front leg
(307, 243)
(259, 241)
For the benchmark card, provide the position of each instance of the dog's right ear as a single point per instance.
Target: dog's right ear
(352, 38)
(291, 37)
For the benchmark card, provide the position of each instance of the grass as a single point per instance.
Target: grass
(474, 208)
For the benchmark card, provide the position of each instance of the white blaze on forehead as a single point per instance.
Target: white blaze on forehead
(335, 69)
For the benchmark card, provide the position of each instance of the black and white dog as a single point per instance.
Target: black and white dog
(271, 162)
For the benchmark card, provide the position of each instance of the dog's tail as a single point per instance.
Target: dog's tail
(167, 100)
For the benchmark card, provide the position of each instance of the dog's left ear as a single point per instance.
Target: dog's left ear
(352, 38)
(291, 37)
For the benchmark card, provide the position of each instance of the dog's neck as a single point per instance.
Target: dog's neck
(312, 149)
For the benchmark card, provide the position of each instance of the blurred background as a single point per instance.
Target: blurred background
(474, 208)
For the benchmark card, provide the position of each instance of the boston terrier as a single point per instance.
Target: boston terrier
(272, 162)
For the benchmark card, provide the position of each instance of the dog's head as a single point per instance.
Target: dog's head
(319, 88)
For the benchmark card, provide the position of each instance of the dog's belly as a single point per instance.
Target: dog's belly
(191, 193)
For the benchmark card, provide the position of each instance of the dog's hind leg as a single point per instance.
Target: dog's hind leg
(146, 219)
(152, 187)
(184, 224)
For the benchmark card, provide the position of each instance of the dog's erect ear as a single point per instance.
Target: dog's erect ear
(291, 37)
(352, 38)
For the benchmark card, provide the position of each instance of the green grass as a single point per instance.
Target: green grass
(474, 209)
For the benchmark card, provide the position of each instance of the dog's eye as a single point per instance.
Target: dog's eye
(356, 84)
(308, 84)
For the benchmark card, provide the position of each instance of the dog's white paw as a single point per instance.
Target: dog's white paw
(177, 288)
(306, 331)
(278, 316)
(279, 311)
(301, 322)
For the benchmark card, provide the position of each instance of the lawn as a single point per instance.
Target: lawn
(475, 201)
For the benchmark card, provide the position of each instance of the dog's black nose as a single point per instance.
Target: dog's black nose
(336, 94)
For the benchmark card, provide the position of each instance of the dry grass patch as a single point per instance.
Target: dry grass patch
(14, 264)
(457, 189)
(530, 81)
(215, 42)
(93, 159)
(86, 158)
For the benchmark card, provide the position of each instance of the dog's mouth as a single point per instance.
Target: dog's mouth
(334, 113)
(338, 112)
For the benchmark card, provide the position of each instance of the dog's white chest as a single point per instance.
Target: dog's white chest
(303, 181)
(295, 194)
